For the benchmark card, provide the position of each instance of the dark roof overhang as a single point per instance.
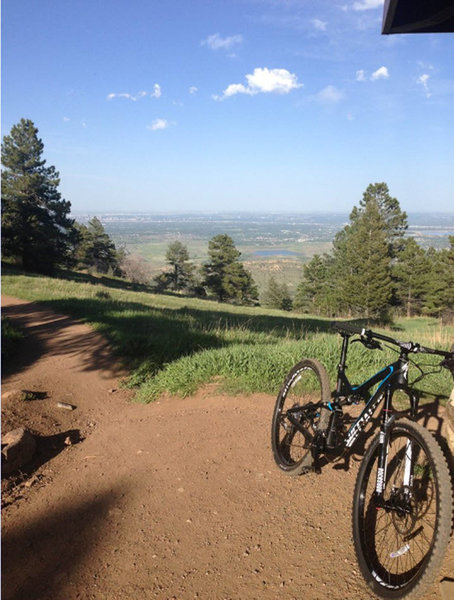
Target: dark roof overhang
(418, 16)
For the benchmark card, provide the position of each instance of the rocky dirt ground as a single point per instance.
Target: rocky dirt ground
(179, 499)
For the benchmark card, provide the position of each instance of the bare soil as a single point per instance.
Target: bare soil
(179, 499)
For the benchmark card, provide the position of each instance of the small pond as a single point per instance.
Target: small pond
(275, 252)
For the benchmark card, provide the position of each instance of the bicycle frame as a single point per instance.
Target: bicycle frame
(402, 503)
(393, 376)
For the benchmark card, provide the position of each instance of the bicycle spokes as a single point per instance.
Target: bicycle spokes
(396, 531)
(299, 415)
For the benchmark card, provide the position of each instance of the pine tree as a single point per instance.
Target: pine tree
(95, 249)
(355, 279)
(36, 227)
(410, 273)
(395, 220)
(448, 296)
(369, 263)
(439, 285)
(341, 271)
(277, 295)
(363, 253)
(316, 294)
(182, 275)
(225, 276)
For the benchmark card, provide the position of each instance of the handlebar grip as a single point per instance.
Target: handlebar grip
(348, 328)
(425, 350)
(448, 356)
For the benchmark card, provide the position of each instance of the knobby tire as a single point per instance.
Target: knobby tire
(306, 383)
(399, 550)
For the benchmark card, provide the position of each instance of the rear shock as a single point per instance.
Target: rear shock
(334, 436)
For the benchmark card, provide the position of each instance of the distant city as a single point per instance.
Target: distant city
(257, 233)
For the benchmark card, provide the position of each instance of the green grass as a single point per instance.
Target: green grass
(174, 345)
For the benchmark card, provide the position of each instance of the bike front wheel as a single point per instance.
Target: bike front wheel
(401, 539)
(298, 417)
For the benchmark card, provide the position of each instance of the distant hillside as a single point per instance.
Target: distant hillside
(271, 243)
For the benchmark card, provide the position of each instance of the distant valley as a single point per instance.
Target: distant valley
(275, 244)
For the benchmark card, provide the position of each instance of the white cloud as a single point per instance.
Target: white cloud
(216, 42)
(156, 93)
(318, 24)
(193, 89)
(273, 80)
(330, 95)
(277, 81)
(66, 119)
(158, 124)
(238, 88)
(381, 73)
(367, 4)
(423, 80)
(128, 96)
(425, 66)
(360, 75)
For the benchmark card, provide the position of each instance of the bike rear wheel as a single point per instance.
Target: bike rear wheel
(295, 422)
(401, 544)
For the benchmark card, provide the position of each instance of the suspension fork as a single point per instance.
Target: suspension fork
(408, 464)
(387, 421)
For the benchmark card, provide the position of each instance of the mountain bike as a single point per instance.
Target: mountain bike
(402, 503)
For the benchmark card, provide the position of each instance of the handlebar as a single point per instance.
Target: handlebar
(368, 335)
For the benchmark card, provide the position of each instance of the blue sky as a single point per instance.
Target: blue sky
(213, 105)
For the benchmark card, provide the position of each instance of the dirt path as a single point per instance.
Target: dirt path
(175, 500)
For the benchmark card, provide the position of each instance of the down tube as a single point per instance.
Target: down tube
(369, 410)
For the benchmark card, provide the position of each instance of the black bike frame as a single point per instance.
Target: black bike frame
(393, 376)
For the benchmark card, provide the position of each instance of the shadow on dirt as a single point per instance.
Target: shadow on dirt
(41, 325)
(47, 448)
(429, 415)
(142, 335)
(342, 460)
(38, 557)
(26, 352)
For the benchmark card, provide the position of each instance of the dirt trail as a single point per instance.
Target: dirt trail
(175, 500)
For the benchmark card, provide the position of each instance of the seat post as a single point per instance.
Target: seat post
(342, 366)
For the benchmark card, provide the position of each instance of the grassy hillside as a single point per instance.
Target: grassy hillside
(174, 344)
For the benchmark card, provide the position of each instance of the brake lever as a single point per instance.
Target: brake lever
(448, 363)
(373, 345)
(369, 344)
